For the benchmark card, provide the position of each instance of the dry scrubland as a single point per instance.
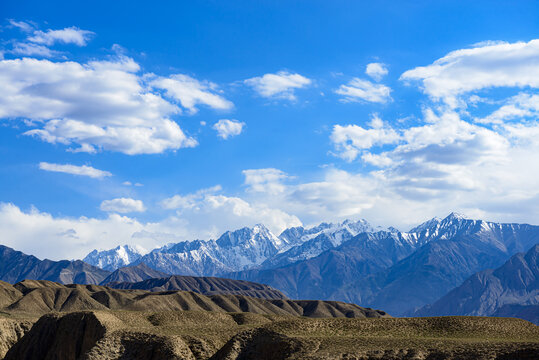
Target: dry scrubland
(43, 320)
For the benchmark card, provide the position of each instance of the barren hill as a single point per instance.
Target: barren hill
(107, 335)
(204, 285)
(39, 297)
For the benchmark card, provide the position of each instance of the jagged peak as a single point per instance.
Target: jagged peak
(261, 228)
(429, 224)
(456, 216)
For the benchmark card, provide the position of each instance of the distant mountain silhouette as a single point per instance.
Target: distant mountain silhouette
(16, 266)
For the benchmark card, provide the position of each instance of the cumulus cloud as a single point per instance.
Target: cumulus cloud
(364, 90)
(191, 92)
(83, 170)
(207, 216)
(62, 237)
(71, 35)
(376, 70)
(227, 128)
(518, 107)
(98, 105)
(188, 201)
(265, 180)
(487, 65)
(279, 85)
(351, 140)
(122, 205)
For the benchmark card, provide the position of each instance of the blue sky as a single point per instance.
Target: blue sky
(128, 122)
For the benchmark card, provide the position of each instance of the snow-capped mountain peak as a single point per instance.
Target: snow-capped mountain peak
(113, 259)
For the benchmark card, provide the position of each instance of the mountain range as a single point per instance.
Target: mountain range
(399, 272)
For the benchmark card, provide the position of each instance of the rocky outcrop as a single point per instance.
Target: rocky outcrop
(106, 335)
(11, 331)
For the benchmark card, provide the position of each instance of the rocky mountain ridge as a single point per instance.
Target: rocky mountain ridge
(493, 291)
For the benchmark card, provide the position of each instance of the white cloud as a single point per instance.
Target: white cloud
(209, 213)
(188, 201)
(33, 50)
(279, 85)
(22, 25)
(83, 170)
(517, 107)
(98, 105)
(71, 35)
(487, 65)
(351, 140)
(129, 183)
(227, 128)
(376, 70)
(191, 92)
(122, 205)
(62, 237)
(364, 90)
(265, 180)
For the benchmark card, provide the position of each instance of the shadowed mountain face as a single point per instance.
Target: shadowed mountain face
(16, 266)
(321, 276)
(203, 285)
(510, 290)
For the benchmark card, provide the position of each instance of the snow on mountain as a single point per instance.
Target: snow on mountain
(256, 247)
(311, 242)
(115, 258)
(233, 251)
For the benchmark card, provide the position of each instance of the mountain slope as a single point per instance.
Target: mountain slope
(486, 293)
(309, 243)
(16, 266)
(321, 276)
(133, 274)
(400, 271)
(40, 297)
(203, 285)
(233, 251)
(115, 258)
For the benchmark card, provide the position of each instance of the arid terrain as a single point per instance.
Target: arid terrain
(46, 320)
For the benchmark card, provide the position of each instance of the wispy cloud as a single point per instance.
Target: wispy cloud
(71, 35)
(22, 25)
(29, 49)
(364, 90)
(83, 170)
